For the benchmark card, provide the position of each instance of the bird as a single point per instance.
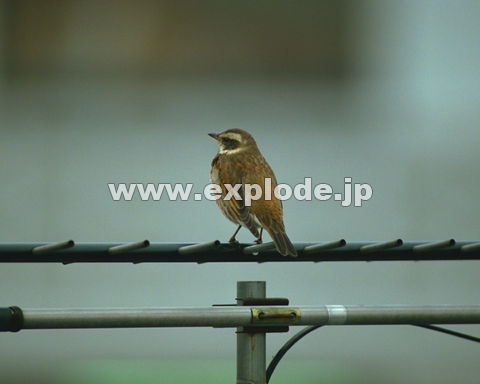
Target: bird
(239, 161)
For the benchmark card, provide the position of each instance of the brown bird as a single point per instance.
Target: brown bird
(239, 161)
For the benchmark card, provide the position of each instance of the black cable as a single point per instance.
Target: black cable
(449, 332)
(291, 342)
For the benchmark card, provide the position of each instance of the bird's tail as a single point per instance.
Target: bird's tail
(283, 244)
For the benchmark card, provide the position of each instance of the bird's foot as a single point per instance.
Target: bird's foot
(259, 238)
(233, 241)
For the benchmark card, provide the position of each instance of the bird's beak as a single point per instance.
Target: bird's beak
(214, 135)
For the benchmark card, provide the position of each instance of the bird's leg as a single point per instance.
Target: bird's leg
(259, 240)
(232, 239)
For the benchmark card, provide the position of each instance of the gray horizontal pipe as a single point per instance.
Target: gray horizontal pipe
(241, 316)
(133, 318)
(389, 314)
(324, 246)
(53, 247)
(123, 248)
(370, 248)
(252, 249)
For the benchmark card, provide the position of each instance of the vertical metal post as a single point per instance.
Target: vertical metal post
(251, 356)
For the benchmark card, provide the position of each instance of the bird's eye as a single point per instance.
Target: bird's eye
(228, 140)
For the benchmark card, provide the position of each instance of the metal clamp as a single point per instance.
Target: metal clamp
(280, 323)
(283, 316)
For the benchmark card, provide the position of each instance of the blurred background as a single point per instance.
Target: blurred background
(95, 92)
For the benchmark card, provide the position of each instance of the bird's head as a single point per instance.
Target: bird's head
(234, 141)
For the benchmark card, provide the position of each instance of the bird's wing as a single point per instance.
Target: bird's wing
(243, 211)
(238, 205)
(239, 210)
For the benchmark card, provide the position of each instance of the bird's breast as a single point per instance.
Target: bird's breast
(214, 175)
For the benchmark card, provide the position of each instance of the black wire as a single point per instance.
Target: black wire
(291, 342)
(449, 332)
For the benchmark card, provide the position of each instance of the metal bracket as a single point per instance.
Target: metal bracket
(283, 316)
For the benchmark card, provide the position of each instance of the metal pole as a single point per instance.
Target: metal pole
(251, 356)
(14, 318)
(136, 317)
